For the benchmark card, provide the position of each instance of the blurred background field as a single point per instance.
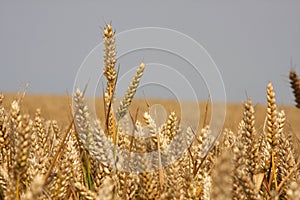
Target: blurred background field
(58, 107)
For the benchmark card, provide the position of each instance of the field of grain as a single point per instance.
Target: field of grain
(58, 107)
(52, 148)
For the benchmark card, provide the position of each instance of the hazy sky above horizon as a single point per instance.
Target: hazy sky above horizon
(251, 42)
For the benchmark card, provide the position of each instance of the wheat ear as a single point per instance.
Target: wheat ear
(4, 137)
(243, 185)
(295, 85)
(23, 144)
(248, 134)
(130, 92)
(84, 192)
(286, 156)
(109, 61)
(169, 129)
(111, 76)
(271, 116)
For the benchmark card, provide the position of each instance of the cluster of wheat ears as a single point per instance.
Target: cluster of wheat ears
(40, 160)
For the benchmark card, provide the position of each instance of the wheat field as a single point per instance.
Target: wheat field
(51, 150)
(57, 107)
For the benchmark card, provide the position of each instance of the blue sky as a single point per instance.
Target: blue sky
(251, 42)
